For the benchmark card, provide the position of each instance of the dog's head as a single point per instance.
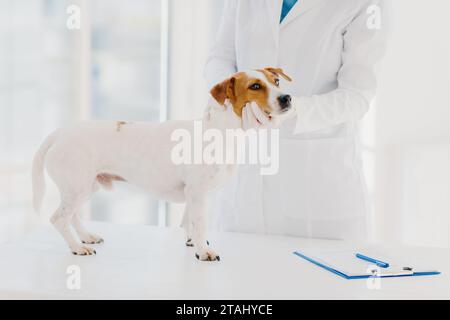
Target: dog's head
(261, 86)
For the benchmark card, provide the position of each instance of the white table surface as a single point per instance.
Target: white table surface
(143, 262)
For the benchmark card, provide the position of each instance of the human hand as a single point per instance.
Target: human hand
(254, 118)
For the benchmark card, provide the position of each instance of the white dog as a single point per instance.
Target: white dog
(91, 154)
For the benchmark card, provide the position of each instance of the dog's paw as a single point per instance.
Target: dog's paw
(189, 243)
(92, 239)
(83, 251)
(207, 255)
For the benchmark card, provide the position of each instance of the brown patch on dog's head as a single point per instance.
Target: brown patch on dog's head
(224, 90)
(273, 75)
(241, 89)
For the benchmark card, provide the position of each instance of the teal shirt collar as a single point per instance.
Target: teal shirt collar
(287, 6)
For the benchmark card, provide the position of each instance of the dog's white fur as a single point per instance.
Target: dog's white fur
(81, 158)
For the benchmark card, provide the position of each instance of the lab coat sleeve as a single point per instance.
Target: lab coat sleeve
(364, 47)
(221, 62)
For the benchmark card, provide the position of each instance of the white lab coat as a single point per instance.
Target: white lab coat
(331, 49)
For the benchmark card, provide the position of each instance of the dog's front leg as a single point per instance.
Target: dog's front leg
(187, 225)
(196, 210)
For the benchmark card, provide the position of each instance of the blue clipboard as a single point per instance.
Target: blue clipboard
(362, 276)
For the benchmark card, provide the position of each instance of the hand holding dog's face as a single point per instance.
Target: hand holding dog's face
(260, 87)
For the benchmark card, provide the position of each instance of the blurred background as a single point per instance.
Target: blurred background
(143, 60)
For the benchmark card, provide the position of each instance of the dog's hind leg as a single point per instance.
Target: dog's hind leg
(84, 235)
(62, 218)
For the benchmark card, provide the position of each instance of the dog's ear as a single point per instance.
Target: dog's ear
(278, 72)
(224, 90)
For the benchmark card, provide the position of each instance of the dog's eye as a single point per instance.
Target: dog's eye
(277, 82)
(255, 86)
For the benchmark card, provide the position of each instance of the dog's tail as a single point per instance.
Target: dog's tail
(38, 178)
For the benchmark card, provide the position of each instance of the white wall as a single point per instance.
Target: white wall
(193, 25)
(412, 194)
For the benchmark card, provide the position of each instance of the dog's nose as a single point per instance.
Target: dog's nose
(284, 101)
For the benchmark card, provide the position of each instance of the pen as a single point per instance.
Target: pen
(379, 263)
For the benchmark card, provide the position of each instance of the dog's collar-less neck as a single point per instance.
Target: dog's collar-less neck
(221, 117)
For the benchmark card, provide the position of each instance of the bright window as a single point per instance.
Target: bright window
(51, 76)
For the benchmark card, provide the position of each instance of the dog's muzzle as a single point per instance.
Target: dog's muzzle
(285, 102)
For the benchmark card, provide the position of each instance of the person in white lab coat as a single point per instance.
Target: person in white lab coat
(331, 50)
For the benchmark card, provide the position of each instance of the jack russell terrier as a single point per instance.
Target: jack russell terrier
(91, 154)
